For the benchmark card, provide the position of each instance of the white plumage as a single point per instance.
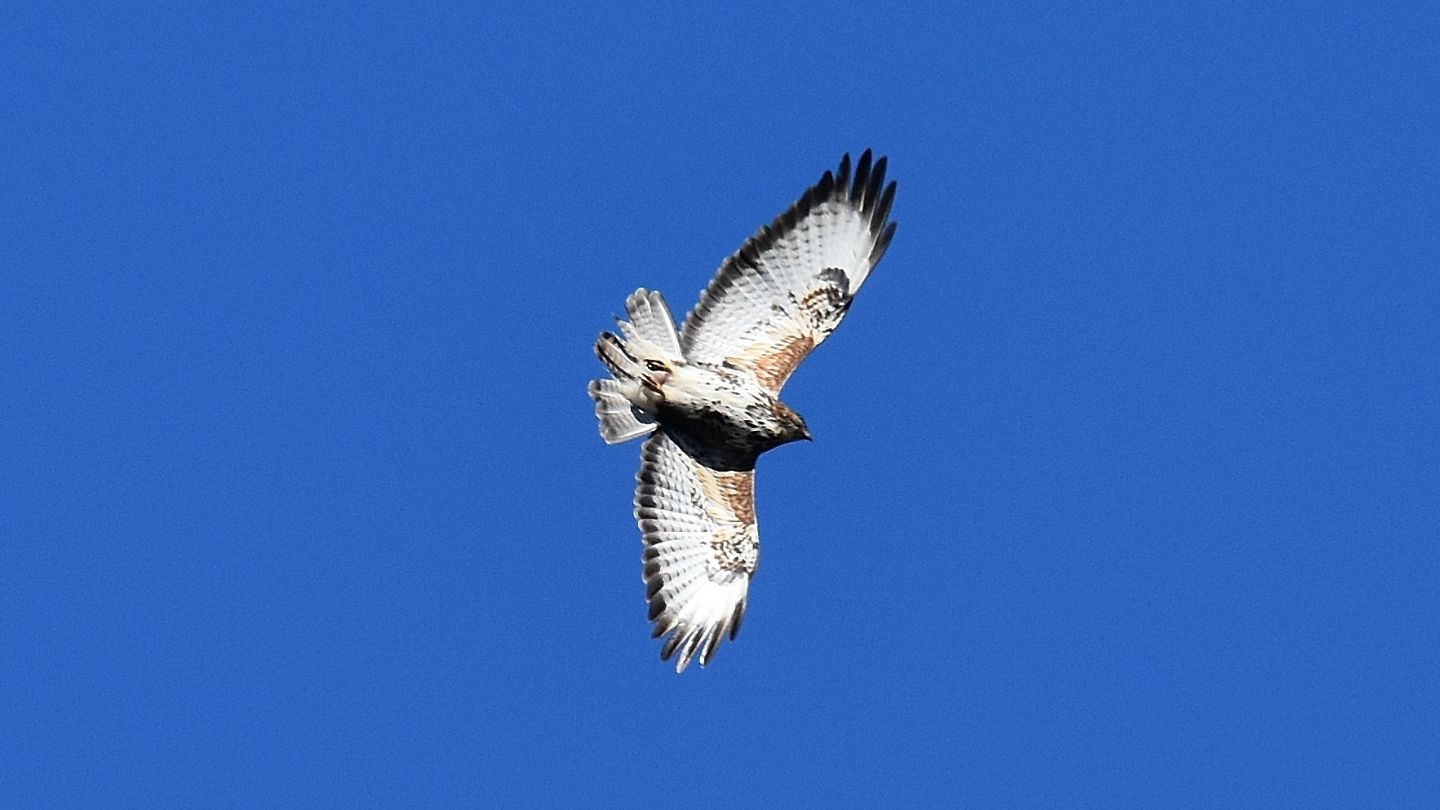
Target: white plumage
(708, 395)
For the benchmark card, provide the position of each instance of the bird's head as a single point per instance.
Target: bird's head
(792, 424)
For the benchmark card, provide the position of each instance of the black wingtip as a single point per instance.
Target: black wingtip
(669, 648)
(877, 179)
(882, 209)
(862, 176)
(882, 244)
(710, 642)
(826, 186)
(736, 618)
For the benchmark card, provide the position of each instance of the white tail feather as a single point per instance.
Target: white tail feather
(651, 322)
(625, 405)
(620, 421)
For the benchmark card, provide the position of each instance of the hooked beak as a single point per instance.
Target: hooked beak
(805, 433)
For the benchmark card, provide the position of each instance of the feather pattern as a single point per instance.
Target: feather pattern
(790, 285)
(707, 396)
(701, 548)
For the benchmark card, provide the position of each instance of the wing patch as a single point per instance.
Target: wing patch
(791, 284)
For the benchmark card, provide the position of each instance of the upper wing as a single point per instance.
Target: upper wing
(701, 547)
(791, 283)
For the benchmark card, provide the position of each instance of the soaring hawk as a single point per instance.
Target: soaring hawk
(707, 395)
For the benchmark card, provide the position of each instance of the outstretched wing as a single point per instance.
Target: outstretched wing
(791, 283)
(701, 547)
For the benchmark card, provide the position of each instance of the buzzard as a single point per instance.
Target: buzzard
(707, 395)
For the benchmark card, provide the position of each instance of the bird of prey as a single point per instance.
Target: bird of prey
(707, 396)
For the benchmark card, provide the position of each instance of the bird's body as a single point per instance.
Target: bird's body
(708, 396)
(720, 408)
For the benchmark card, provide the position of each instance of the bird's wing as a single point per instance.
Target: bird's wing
(791, 283)
(701, 546)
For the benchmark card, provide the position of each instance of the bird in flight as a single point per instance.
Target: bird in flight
(707, 396)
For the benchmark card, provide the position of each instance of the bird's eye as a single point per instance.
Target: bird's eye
(654, 365)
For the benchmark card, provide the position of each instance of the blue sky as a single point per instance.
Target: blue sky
(1126, 481)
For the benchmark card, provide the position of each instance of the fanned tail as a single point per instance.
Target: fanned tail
(651, 325)
(625, 405)
(620, 420)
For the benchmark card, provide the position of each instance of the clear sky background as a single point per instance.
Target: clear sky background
(1126, 481)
